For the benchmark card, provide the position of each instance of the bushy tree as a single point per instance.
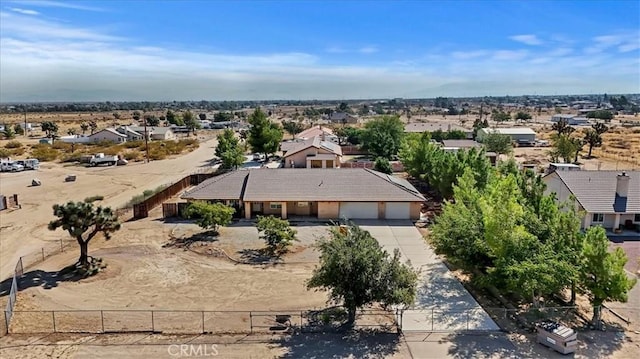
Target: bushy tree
(190, 121)
(264, 136)
(223, 117)
(600, 114)
(8, 132)
(174, 119)
(209, 216)
(497, 142)
(357, 272)
(18, 129)
(152, 120)
(229, 150)
(277, 234)
(593, 136)
(93, 126)
(563, 147)
(602, 274)
(83, 221)
(202, 116)
(522, 116)
(500, 116)
(562, 127)
(382, 165)
(293, 127)
(50, 128)
(136, 115)
(84, 127)
(382, 137)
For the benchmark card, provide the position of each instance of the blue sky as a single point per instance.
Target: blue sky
(234, 50)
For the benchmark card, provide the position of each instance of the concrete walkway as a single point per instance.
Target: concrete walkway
(442, 303)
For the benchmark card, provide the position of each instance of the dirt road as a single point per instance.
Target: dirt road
(24, 231)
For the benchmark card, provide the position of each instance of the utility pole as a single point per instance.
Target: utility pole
(24, 109)
(146, 139)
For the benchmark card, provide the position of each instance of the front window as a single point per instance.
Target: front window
(598, 218)
(636, 217)
(275, 205)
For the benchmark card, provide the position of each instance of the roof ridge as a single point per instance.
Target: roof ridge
(398, 185)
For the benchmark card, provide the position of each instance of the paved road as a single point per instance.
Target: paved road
(442, 303)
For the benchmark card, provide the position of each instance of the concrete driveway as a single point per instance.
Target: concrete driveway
(442, 303)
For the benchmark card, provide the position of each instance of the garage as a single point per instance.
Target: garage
(359, 210)
(397, 210)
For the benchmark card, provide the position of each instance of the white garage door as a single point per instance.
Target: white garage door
(397, 210)
(359, 210)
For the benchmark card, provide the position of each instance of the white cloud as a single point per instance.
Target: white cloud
(44, 60)
(623, 42)
(24, 11)
(75, 5)
(531, 40)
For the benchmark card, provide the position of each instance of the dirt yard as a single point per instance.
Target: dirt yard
(24, 231)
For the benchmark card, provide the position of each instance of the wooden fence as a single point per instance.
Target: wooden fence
(395, 165)
(141, 210)
(353, 150)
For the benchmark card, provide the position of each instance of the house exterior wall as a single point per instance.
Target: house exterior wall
(415, 210)
(300, 159)
(294, 209)
(328, 210)
(107, 136)
(555, 185)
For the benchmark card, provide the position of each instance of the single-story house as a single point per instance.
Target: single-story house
(420, 127)
(312, 153)
(572, 120)
(609, 198)
(156, 132)
(75, 139)
(108, 134)
(522, 136)
(318, 131)
(455, 145)
(356, 193)
(342, 117)
(131, 134)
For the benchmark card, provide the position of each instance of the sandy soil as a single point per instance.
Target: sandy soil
(24, 231)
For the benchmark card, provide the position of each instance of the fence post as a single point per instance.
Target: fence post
(203, 322)
(251, 321)
(53, 317)
(153, 326)
(301, 323)
(6, 321)
(431, 319)
(42, 253)
(102, 319)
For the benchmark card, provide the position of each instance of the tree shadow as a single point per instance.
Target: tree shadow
(40, 278)
(200, 237)
(258, 256)
(355, 344)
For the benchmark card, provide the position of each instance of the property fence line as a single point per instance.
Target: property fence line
(191, 321)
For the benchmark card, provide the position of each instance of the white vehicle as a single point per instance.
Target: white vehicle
(258, 156)
(11, 167)
(101, 159)
(29, 163)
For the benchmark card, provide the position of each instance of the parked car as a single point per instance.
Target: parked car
(258, 157)
(11, 167)
(29, 163)
(100, 159)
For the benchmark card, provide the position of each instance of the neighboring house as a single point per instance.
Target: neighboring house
(572, 120)
(156, 132)
(131, 134)
(75, 139)
(312, 153)
(108, 134)
(609, 198)
(318, 131)
(456, 145)
(320, 193)
(342, 117)
(420, 127)
(522, 136)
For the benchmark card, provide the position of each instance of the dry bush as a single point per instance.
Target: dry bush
(13, 144)
(72, 157)
(17, 151)
(4, 153)
(134, 144)
(44, 153)
(133, 155)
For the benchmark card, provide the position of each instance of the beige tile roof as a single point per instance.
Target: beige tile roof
(227, 186)
(307, 184)
(314, 142)
(314, 131)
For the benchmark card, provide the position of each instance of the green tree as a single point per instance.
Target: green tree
(210, 216)
(563, 147)
(84, 127)
(522, 116)
(83, 221)
(202, 116)
(382, 165)
(116, 115)
(500, 116)
(71, 132)
(50, 128)
(600, 114)
(293, 127)
(602, 274)
(223, 117)
(136, 115)
(8, 132)
(277, 234)
(498, 143)
(174, 119)
(93, 126)
(264, 136)
(190, 121)
(562, 127)
(382, 137)
(152, 120)
(357, 271)
(229, 150)
(18, 129)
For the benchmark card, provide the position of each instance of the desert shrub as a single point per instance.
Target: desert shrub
(189, 141)
(59, 145)
(94, 198)
(133, 144)
(4, 153)
(72, 157)
(157, 154)
(111, 151)
(17, 151)
(13, 144)
(132, 155)
(44, 153)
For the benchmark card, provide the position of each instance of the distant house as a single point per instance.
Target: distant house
(609, 198)
(131, 134)
(572, 120)
(318, 193)
(75, 139)
(342, 117)
(455, 145)
(110, 135)
(317, 131)
(155, 132)
(420, 127)
(313, 153)
(522, 136)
